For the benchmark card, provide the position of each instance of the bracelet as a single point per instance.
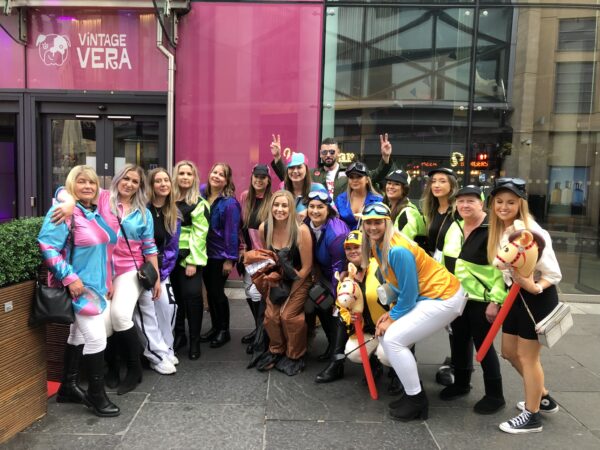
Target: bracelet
(540, 288)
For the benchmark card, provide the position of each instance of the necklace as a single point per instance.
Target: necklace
(156, 211)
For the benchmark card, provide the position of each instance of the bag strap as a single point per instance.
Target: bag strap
(527, 308)
(127, 242)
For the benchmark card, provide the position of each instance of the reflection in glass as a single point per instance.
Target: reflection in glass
(8, 167)
(135, 142)
(73, 142)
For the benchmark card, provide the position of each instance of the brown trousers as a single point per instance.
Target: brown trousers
(285, 323)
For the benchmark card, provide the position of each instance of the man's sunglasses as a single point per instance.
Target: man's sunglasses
(326, 152)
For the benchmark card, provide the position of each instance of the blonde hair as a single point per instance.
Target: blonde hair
(85, 171)
(192, 195)
(169, 209)
(291, 226)
(229, 189)
(249, 203)
(370, 187)
(368, 247)
(138, 201)
(496, 226)
(430, 203)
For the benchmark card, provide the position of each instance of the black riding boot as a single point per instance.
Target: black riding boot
(194, 316)
(179, 329)
(493, 400)
(411, 407)
(249, 338)
(335, 369)
(111, 356)
(132, 349)
(69, 391)
(460, 387)
(327, 324)
(95, 396)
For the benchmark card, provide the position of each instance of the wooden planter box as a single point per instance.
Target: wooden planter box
(23, 389)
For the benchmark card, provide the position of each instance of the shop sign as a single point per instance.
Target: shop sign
(78, 51)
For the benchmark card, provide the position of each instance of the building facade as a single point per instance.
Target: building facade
(490, 88)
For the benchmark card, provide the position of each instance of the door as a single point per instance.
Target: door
(104, 142)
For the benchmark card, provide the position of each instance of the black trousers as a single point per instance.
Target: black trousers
(473, 324)
(188, 296)
(218, 303)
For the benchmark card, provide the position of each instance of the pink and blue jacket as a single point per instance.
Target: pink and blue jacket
(87, 259)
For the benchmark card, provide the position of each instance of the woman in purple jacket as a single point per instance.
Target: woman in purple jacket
(328, 233)
(222, 248)
(155, 318)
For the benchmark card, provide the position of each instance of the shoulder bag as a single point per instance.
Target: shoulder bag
(52, 304)
(146, 273)
(554, 326)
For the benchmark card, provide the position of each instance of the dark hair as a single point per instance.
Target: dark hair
(330, 141)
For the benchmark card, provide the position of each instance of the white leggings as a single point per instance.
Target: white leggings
(155, 320)
(126, 292)
(372, 346)
(90, 331)
(427, 317)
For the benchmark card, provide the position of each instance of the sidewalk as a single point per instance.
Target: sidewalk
(216, 402)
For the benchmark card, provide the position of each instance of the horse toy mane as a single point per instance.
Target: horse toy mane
(522, 252)
(349, 294)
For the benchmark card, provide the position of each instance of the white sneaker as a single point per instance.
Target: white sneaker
(173, 359)
(165, 367)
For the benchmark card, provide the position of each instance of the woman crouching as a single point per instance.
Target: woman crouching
(428, 298)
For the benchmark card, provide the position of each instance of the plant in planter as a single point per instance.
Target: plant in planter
(23, 390)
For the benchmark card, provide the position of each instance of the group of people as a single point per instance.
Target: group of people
(419, 269)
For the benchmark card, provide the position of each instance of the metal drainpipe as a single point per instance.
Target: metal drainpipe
(170, 94)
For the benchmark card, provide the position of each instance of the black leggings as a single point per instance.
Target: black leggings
(218, 303)
(188, 296)
(473, 324)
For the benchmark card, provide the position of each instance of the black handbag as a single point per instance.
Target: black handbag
(52, 304)
(146, 273)
(320, 295)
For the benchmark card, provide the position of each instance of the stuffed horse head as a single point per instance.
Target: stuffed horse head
(349, 294)
(521, 253)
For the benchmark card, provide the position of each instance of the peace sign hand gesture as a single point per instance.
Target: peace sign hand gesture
(386, 147)
(276, 147)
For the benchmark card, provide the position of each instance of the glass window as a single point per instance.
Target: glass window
(577, 34)
(8, 168)
(574, 87)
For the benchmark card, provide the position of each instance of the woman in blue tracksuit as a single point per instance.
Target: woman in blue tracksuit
(328, 233)
(359, 194)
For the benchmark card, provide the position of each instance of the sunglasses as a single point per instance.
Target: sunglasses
(357, 167)
(319, 195)
(518, 182)
(328, 152)
(376, 209)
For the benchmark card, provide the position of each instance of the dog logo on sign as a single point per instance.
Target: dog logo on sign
(53, 48)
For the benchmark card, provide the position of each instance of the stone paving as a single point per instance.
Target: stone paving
(216, 402)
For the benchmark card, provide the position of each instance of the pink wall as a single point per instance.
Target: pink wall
(245, 71)
(12, 56)
(93, 50)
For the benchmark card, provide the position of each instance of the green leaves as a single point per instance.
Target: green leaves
(19, 250)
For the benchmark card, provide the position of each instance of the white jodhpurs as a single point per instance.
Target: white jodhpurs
(90, 331)
(126, 292)
(427, 317)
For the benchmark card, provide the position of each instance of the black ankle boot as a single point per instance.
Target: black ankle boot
(69, 391)
(194, 350)
(493, 400)
(95, 397)
(249, 338)
(334, 371)
(209, 335)
(222, 338)
(460, 387)
(395, 387)
(111, 356)
(179, 342)
(411, 407)
(131, 346)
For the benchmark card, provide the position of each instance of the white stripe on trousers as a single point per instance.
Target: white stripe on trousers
(155, 320)
(427, 317)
